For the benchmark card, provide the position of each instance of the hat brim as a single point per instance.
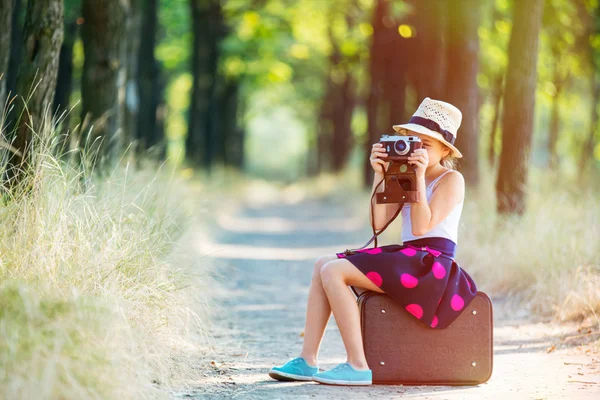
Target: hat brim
(428, 132)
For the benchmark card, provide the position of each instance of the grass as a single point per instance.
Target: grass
(547, 259)
(94, 301)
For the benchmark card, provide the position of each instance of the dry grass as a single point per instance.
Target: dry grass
(546, 259)
(94, 302)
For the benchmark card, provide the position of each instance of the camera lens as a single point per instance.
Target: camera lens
(401, 147)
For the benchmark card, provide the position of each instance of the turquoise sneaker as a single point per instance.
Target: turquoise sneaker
(295, 369)
(344, 374)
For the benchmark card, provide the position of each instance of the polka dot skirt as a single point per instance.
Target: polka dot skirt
(428, 284)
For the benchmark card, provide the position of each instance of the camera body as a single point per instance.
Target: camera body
(399, 148)
(400, 178)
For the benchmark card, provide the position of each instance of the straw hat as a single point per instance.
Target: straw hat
(437, 119)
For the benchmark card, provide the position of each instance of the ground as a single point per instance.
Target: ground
(264, 254)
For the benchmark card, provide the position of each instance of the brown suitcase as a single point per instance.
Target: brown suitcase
(400, 349)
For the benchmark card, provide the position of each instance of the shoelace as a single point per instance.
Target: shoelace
(339, 367)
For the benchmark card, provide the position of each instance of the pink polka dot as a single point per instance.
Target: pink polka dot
(415, 310)
(438, 270)
(408, 280)
(457, 302)
(375, 278)
(376, 250)
(341, 255)
(434, 322)
(408, 252)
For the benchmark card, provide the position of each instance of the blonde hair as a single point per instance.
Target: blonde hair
(449, 161)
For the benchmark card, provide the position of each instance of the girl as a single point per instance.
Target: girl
(420, 274)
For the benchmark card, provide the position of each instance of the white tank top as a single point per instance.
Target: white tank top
(446, 228)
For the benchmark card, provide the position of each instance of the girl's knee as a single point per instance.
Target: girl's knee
(321, 261)
(330, 270)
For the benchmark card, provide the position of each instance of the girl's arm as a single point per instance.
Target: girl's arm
(449, 192)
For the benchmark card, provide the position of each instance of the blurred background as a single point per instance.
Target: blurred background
(257, 84)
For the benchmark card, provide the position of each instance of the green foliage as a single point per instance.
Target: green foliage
(493, 33)
(175, 37)
(280, 52)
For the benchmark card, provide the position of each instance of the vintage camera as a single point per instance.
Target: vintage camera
(400, 179)
(398, 147)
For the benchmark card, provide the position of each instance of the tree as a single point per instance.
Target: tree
(103, 76)
(389, 66)
(148, 130)
(518, 106)
(430, 18)
(131, 58)
(36, 81)
(6, 15)
(497, 91)
(589, 13)
(64, 85)
(494, 33)
(16, 45)
(337, 106)
(232, 134)
(461, 81)
(208, 29)
(376, 63)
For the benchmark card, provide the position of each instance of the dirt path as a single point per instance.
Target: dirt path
(265, 254)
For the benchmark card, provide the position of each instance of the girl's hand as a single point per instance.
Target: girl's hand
(379, 166)
(420, 159)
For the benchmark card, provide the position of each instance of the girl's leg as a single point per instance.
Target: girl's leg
(318, 312)
(336, 276)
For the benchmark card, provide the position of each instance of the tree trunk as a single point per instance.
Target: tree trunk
(232, 134)
(337, 106)
(587, 152)
(518, 106)
(16, 46)
(375, 88)
(36, 82)
(325, 125)
(148, 78)
(342, 118)
(208, 26)
(64, 87)
(554, 126)
(103, 80)
(395, 86)
(395, 67)
(589, 19)
(429, 47)
(131, 104)
(497, 98)
(461, 85)
(6, 16)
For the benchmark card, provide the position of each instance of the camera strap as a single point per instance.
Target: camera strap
(375, 234)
